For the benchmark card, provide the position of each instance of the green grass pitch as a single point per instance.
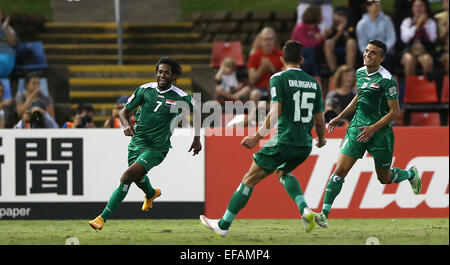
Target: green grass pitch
(403, 231)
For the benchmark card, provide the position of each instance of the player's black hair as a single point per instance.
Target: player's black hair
(30, 76)
(175, 67)
(380, 45)
(292, 51)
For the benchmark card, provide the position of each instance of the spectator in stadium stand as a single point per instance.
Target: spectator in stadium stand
(32, 93)
(337, 100)
(355, 8)
(326, 9)
(36, 117)
(114, 121)
(308, 34)
(340, 45)
(375, 25)
(262, 64)
(8, 41)
(419, 33)
(4, 106)
(83, 118)
(229, 84)
(402, 10)
(442, 45)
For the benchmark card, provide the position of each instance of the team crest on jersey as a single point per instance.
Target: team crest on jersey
(170, 102)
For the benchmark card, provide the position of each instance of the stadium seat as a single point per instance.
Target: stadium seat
(30, 56)
(227, 49)
(425, 119)
(419, 90)
(43, 81)
(444, 92)
(6, 88)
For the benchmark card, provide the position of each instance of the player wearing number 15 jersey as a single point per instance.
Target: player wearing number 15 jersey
(151, 133)
(296, 106)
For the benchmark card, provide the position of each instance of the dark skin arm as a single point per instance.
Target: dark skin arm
(124, 116)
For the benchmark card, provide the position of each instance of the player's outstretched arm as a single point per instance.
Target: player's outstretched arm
(392, 115)
(124, 116)
(264, 129)
(347, 111)
(319, 123)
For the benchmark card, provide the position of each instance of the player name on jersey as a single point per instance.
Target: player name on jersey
(302, 84)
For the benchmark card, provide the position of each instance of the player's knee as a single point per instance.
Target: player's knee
(126, 178)
(384, 178)
(341, 171)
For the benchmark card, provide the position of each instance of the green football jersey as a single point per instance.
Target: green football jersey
(153, 119)
(374, 91)
(301, 97)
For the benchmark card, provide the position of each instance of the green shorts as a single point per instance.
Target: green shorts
(281, 157)
(148, 158)
(380, 146)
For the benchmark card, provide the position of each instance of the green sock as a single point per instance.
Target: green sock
(237, 202)
(116, 198)
(333, 188)
(292, 187)
(146, 187)
(399, 175)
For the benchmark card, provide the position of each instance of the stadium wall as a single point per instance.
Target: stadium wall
(70, 174)
(362, 196)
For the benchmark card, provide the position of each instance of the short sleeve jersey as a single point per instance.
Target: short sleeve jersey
(301, 97)
(153, 126)
(374, 91)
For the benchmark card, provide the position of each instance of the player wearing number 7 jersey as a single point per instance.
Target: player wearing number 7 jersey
(296, 106)
(151, 133)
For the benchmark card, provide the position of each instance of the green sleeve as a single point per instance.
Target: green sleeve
(136, 99)
(276, 90)
(318, 103)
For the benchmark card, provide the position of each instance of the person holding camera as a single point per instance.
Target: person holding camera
(32, 93)
(83, 118)
(36, 117)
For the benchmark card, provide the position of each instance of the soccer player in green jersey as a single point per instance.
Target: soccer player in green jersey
(296, 107)
(151, 133)
(375, 106)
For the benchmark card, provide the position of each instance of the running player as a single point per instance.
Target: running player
(151, 133)
(296, 106)
(376, 106)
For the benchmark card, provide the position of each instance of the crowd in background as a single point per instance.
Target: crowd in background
(334, 40)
